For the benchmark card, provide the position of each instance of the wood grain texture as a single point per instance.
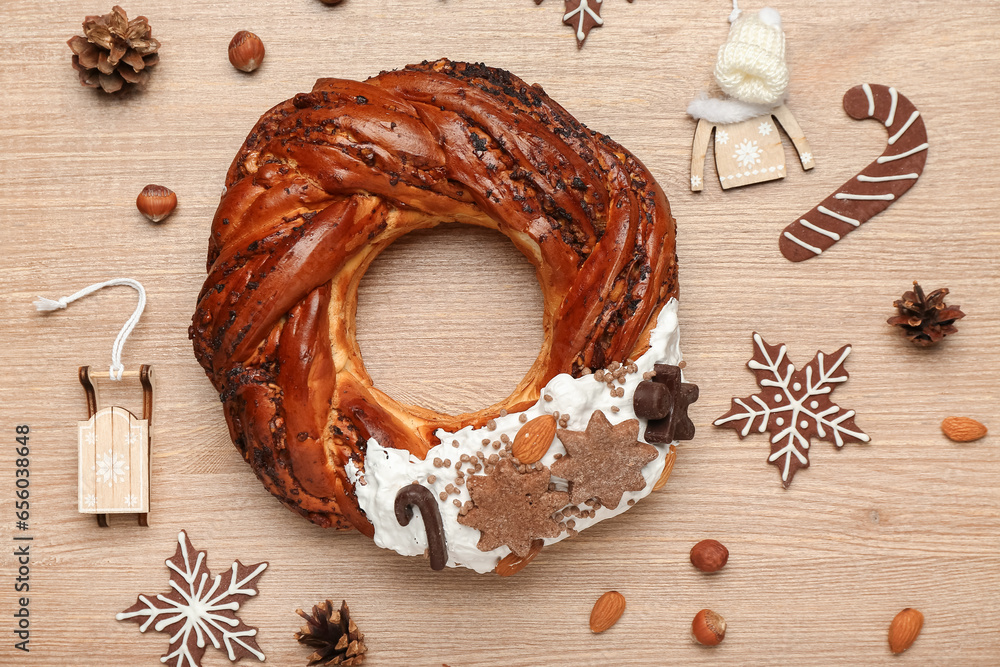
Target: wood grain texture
(449, 318)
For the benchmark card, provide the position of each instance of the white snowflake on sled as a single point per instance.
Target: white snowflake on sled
(110, 467)
(793, 406)
(200, 609)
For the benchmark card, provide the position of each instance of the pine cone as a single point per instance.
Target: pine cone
(115, 51)
(333, 634)
(925, 319)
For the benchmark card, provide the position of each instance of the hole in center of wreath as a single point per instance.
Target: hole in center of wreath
(450, 318)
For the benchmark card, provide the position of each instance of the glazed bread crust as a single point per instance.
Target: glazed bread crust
(327, 180)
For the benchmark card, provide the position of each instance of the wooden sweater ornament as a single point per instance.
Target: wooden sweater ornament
(751, 71)
(113, 444)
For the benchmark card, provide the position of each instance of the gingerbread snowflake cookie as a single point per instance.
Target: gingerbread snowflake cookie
(794, 406)
(583, 16)
(200, 609)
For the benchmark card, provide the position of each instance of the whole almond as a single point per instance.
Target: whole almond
(708, 628)
(668, 466)
(709, 555)
(511, 564)
(904, 629)
(607, 610)
(962, 429)
(534, 439)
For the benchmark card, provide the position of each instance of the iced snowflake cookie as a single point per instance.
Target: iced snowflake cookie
(325, 182)
(200, 609)
(794, 406)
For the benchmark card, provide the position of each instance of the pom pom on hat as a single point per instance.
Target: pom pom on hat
(751, 64)
(770, 16)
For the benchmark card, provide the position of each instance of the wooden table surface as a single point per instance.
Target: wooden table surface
(451, 319)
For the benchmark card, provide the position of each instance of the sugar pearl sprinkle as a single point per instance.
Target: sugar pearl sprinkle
(471, 452)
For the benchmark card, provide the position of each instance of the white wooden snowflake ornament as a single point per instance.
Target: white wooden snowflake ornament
(793, 406)
(200, 609)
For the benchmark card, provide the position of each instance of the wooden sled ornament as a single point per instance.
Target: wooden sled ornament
(114, 453)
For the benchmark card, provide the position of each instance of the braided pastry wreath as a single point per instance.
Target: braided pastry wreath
(326, 181)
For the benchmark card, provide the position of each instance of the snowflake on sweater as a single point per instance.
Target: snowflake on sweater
(200, 609)
(748, 153)
(793, 406)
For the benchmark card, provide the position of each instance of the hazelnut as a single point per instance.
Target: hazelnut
(709, 555)
(246, 51)
(156, 202)
(708, 628)
(331, 2)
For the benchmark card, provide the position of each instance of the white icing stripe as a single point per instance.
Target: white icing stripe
(848, 195)
(843, 218)
(890, 158)
(810, 248)
(871, 99)
(882, 179)
(892, 107)
(820, 230)
(584, 11)
(906, 126)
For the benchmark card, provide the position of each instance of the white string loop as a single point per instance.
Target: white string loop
(736, 11)
(115, 372)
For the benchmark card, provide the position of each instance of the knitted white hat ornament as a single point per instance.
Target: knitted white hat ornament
(751, 64)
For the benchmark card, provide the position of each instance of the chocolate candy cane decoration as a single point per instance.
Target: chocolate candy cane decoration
(423, 498)
(877, 186)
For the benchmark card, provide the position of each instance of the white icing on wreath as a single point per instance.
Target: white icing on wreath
(387, 470)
